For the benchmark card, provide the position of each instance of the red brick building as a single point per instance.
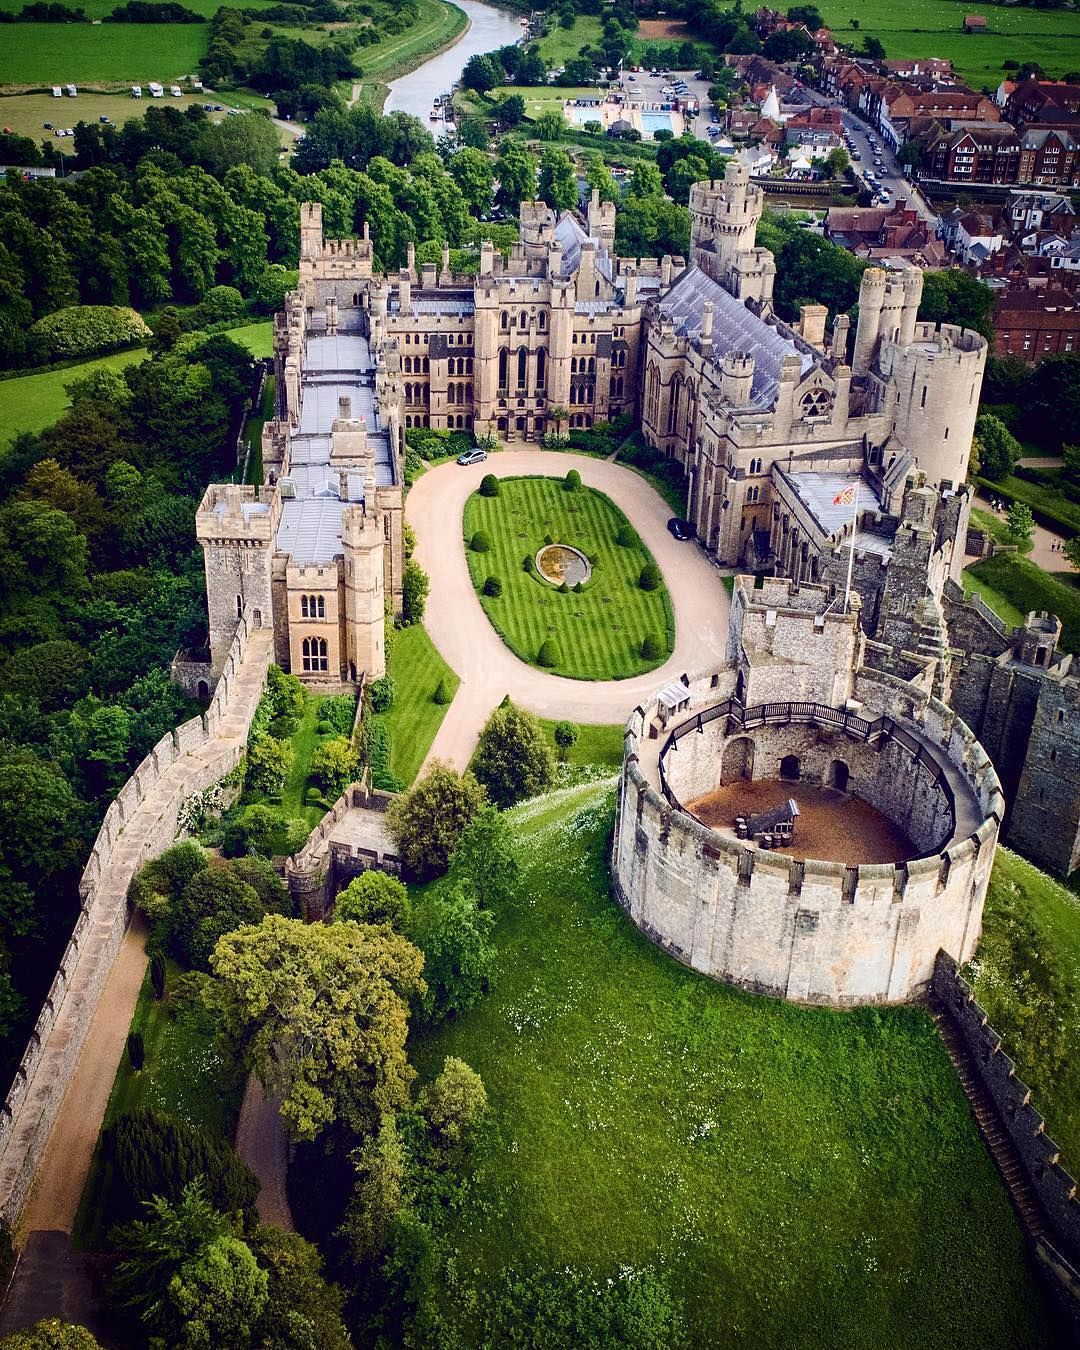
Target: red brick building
(1032, 324)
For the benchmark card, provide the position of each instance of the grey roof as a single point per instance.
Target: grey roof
(735, 328)
(818, 493)
(310, 529)
(571, 236)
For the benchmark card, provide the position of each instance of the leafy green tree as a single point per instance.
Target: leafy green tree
(566, 735)
(874, 48)
(215, 901)
(600, 177)
(51, 1334)
(472, 171)
(1021, 524)
(268, 763)
(380, 1192)
(415, 585)
(455, 1102)
(1052, 398)
(513, 759)
(454, 935)
(427, 822)
(955, 296)
(516, 171)
(373, 897)
(320, 1014)
(549, 126)
(485, 859)
(302, 1308)
(481, 73)
(509, 111)
(335, 764)
(837, 162)
(998, 449)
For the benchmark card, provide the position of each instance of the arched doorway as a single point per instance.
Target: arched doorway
(203, 690)
(737, 760)
(839, 775)
(789, 767)
(740, 687)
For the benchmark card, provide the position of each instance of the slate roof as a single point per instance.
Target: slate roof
(571, 235)
(735, 328)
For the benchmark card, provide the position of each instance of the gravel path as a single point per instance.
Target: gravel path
(261, 1143)
(487, 668)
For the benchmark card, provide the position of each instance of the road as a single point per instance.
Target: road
(488, 669)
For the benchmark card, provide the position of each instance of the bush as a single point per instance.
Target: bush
(480, 543)
(136, 1050)
(625, 536)
(489, 485)
(564, 589)
(652, 648)
(414, 592)
(578, 588)
(493, 587)
(221, 304)
(442, 694)
(335, 764)
(566, 734)
(373, 897)
(268, 764)
(572, 481)
(86, 330)
(427, 822)
(513, 759)
(529, 563)
(649, 580)
(550, 654)
(381, 694)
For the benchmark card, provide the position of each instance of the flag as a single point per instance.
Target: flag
(847, 497)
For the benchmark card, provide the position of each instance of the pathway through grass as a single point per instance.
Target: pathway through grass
(803, 1177)
(599, 630)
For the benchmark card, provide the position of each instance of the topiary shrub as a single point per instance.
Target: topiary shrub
(572, 481)
(480, 543)
(548, 539)
(86, 330)
(381, 693)
(651, 648)
(625, 536)
(324, 728)
(489, 485)
(578, 587)
(564, 589)
(442, 694)
(493, 587)
(549, 655)
(649, 579)
(529, 563)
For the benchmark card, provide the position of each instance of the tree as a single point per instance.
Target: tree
(414, 592)
(335, 765)
(1052, 398)
(268, 763)
(837, 162)
(454, 1102)
(954, 296)
(481, 73)
(380, 1192)
(566, 735)
(51, 1334)
(485, 860)
(998, 448)
(516, 171)
(549, 126)
(874, 48)
(454, 936)
(513, 759)
(427, 822)
(509, 111)
(301, 1308)
(599, 177)
(373, 897)
(1021, 525)
(1072, 550)
(472, 171)
(135, 1050)
(320, 1014)
(214, 902)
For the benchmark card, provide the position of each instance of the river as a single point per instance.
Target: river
(415, 93)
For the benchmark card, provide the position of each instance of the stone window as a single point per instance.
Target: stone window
(239, 606)
(541, 367)
(505, 321)
(522, 366)
(816, 403)
(755, 466)
(541, 321)
(312, 607)
(315, 655)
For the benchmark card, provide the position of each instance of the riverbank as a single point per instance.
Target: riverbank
(440, 28)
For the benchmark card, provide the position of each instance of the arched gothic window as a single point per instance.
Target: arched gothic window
(816, 403)
(504, 361)
(522, 367)
(541, 367)
(315, 654)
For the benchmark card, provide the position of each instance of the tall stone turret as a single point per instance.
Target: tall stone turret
(311, 231)
(236, 526)
(362, 543)
(871, 299)
(723, 221)
(602, 220)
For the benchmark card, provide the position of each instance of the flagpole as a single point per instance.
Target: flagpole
(851, 553)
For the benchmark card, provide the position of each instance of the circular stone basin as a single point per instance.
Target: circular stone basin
(559, 562)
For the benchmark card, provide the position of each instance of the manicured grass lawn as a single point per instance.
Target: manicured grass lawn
(62, 53)
(595, 745)
(305, 742)
(98, 9)
(415, 717)
(184, 1075)
(599, 631)
(1027, 976)
(802, 1177)
(34, 402)
(1027, 587)
(996, 528)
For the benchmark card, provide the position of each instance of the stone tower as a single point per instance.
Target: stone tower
(236, 526)
(362, 538)
(723, 222)
(311, 231)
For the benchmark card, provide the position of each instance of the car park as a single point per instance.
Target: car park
(472, 457)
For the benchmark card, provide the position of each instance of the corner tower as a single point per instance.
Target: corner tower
(724, 217)
(236, 526)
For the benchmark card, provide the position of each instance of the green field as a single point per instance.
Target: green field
(415, 717)
(438, 25)
(804, 1178)
(62, 53)
(596, 746)
(185, 1075)
(600, 630)
(1027, 976)
(1002, 607)
(26, 114)
(1026, 587)
(34, 402)
(539, 101)
(563, 44)
(98, 9)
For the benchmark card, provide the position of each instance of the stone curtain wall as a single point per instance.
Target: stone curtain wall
(317, 872)
(43, 1075)
(1039, 1154)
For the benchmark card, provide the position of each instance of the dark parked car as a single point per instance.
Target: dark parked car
(681, 529)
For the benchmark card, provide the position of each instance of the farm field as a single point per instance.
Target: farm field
(802, 1177)
(599, 630)
(34, 402)
(26, 114)
(58, 53)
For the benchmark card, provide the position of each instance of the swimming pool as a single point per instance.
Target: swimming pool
(652, 122)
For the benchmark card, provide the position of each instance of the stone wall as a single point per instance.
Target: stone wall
(324, 865)
(1040, 1156)
(44, 1072)
(811, 931)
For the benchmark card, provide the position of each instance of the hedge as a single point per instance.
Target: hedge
(1048, 505)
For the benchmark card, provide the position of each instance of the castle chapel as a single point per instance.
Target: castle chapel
(772, 423)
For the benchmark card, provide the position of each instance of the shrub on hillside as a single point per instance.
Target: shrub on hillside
(373, 897)
(649, 580)
(489, 485)
(480, 543)
(550, 654)
(86, 330)
(651, 648)
(493, 587)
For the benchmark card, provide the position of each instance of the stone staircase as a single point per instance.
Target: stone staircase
(1001, 1147)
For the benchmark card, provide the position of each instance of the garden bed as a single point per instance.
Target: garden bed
(599, 630)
